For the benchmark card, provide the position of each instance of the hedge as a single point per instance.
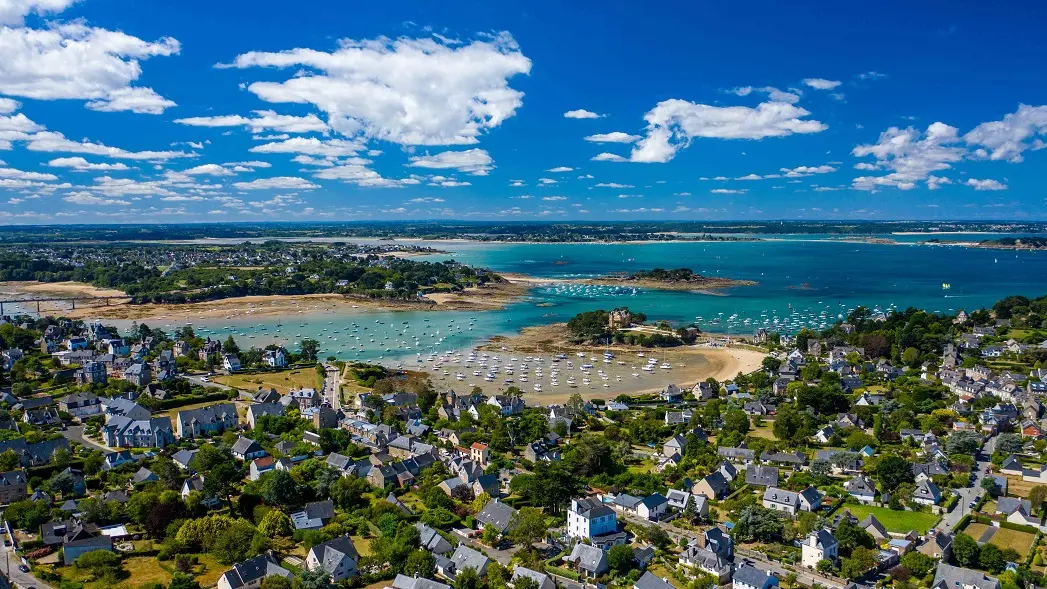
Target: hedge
(208, 398)
(563, 572)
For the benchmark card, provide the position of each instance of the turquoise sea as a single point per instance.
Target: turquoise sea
(803, 281)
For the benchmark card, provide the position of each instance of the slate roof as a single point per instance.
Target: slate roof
(950, 577)
(496, 514)
(750, 575)
(253, 569)
(588, 558)
(467, 558)
(766, 476)
(650, 580)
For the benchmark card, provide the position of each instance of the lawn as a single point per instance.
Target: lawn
(363, 545)
(1019, 488)
(1016, 539)
(975, 530)
(281, 381)
(895, 521)
(147, 570)
(765, 431)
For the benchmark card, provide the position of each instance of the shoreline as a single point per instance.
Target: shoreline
(708, 284)
(493, 297)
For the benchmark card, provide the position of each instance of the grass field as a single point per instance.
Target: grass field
(895, 521)
(764, 431)
(975, 530)
(1019, 488)
(147, 570)
(363, 545)
(1018, 540)
(281, 381)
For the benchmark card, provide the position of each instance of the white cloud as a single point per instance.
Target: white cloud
(554, 198)
(608, 157)
(581, 113)
(729, 191)
(934, 182)
(13, 12)
(613, 185)
(673, 124)
(264, 120)
(866, 166)
(50, 141)
(277, 183)
(208, 170)
(354, 173)
(741, 91)
(79, 163)
(910, 155)
(988, 184)
(15, 174)
(807, 171)
(250, 164)
(407, 91)
(473, 161)
(546, 181)
(517, 183)
(821, 83)
(777, 95)
(426, 199)
(1006, 139)
(750, 177)
(613, 137)
(84, 198)
(8, 105)
(74, 61)
(269, 137)
(560, 169)
(311, 146)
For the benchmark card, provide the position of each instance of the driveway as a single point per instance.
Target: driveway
(333, 386)
(969, 493)
(75, 433)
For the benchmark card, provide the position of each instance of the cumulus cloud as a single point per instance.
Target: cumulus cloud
(208, 170)
(81, 164)
(911, 156)
(673, 124)
(729, 190)
(50, 141)
(1006, 139)
(560, 169)
(613, 185)
(613, 137)
(581, 113)
(807, 171)
(74, 61)
(554, 198)
(608, 157)
(988, 184)
(472, 161)
(263, 120)
(13, 12)
(407, 91)
(276, 183)
(311, 146)
(821, 83)
(86, 198)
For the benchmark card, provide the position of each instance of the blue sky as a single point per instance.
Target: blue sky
(137, 111)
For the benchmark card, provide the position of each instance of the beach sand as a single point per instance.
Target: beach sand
(689, 365)
(493, 296)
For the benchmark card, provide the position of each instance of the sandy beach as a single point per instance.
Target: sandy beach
(493, 296)
(623, 375)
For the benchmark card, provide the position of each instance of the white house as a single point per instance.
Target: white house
(230, 362)
(819, 545)
(588, 518)
(250, 573)
(781, 500)
(275, 358)
(338, 557)
(927, 493)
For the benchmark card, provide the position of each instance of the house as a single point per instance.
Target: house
(255, 412)
(652, 507)
(116, 459)
(927, 493)
(679, 500)
(204, 421)
(763, 476)
(250, 573)
(338, 557)
(713, 486)
(405, 582)
(781, 500)
(79, 542)
(314, 515)
(275, 358)
(738, 455)
(703, 391)
(588, 518)
(467, 558)
(35, 454)
(793, 459)
(861, 488)
(650, 580)
(674, 445)
(496, 515)
(874, 528)
(138, 374)
(230, 362)
(819, 545)
(539, 452)
(126, 432)
(43, 416)
(431, 540)
(1017, 511)
(80, 404)
(541, 579)
(938, 545)
(825, 434)
(671, 394)
(479, 453)
(707, 561)
(953, 577)
(183, 458)
(247, 449)
(12, 486)
(749, 577)
(810, 499)
(1012, 465)
(144, 475)
(588, 560)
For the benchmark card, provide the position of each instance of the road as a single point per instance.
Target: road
(333, 386)
(972, 492)
(75, 433)
(18, 578)
(198, 380)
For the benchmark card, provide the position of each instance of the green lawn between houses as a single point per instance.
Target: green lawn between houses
(895, 521)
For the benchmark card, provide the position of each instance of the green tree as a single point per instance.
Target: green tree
(919, 564)
(318, 579)
(420, 563)
(223, 480)
(183, 581)
(276, 523)
(735, 420)
(620, 559)
(309, 349)
(275, 582)
(893, 471)
(758, 524)
(102, 564)
(862, 559)
(528, 526)
(965, 551)
(9, 461)
(467, 579)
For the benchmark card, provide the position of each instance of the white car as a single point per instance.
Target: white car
(204, 379)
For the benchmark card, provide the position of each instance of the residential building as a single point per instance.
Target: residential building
(338, 557)
(247, 449)
(819, 545)
(953, 577)
(589, 561)
(750, 577)
(192, 423)
(250, 573)
(12, 486)
(588, 518)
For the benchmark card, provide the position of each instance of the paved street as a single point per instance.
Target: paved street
(198, 380)
(333, 386)
(970, 493)
(75, 433)
(9, 565)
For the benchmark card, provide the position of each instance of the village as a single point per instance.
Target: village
(902, 449)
